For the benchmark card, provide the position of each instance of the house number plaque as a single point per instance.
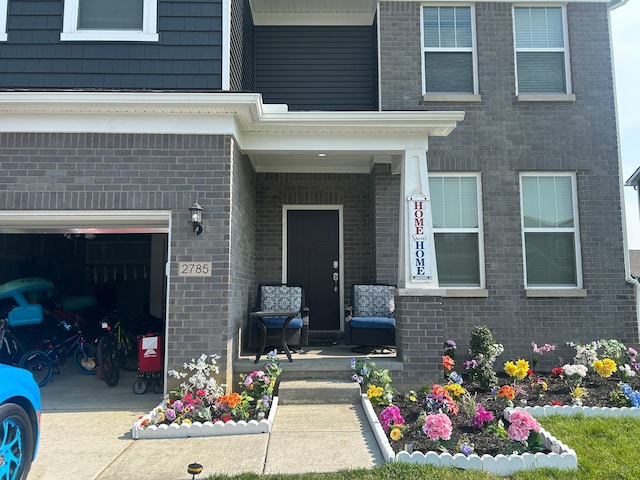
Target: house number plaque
(194, 269)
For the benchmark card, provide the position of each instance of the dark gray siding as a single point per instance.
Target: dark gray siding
(188, 55)
(241, 68)
(317, 68)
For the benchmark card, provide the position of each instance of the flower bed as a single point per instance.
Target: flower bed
(471, 421)
(559, 456)
(199, 406)
(206, 429)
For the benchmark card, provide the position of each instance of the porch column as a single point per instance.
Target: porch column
(417, 268)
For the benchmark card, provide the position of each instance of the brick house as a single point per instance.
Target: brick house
(317, 127)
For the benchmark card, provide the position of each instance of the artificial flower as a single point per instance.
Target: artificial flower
(448, 363)
(396, 434)
(507, 392)
(521, 424)
(455, 389)
(482, 416)
(437, 426)
(605, 367)
(391, 416)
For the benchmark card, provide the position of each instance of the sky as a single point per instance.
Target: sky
(625, 28)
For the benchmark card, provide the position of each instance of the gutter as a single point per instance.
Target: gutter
(630, 279)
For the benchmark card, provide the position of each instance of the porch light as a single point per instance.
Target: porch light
(195, 212)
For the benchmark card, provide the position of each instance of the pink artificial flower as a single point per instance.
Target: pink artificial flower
(521, 425)
(482, 416)
(437, 427)
(391, 416)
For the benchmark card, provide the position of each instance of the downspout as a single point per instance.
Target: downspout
(630, 279)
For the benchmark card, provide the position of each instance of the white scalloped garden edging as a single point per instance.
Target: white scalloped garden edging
(586, 411)
(561, 456)
(206, 429)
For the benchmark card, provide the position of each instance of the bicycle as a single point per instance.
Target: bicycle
(116, 350)
(43, 363)
(10, 346)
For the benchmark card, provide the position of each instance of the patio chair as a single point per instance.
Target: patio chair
(369, 320)
(273, 327)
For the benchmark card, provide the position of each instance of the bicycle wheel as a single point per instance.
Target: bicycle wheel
(39, 364)
(85, 358)
(106, 360)
(10, 350)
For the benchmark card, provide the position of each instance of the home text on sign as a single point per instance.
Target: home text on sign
(420, 268)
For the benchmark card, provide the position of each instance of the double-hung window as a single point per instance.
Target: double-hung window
(112, 20)
(550, 230)
(542, 56)
(457, 229)
(449, 60)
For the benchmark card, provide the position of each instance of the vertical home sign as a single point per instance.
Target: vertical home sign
(418, 238)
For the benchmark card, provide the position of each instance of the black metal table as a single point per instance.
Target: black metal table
(260, 315)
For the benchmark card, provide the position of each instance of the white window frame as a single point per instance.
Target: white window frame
(4, 11)
(565, 49)
(575, 230)
(478, 230)
(149, 33)
(473, 49)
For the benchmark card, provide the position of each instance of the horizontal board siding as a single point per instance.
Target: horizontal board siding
(317, 68)
(188, 55)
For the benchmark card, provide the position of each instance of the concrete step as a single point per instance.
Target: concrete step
(318, 392)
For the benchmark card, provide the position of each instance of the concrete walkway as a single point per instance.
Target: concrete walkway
(86, 435)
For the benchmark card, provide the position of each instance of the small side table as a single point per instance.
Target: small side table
(262, 314)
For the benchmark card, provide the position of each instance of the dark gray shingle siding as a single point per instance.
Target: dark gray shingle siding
(187, 56)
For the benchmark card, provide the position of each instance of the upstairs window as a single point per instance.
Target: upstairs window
(113, 20)
(456, 214)
(449, 60)
(540, 48)
(550, 230)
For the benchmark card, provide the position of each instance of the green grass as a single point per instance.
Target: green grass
(607, 448)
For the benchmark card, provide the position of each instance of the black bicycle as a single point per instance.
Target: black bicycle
(10, 346)
(43, 363)
(116, 350)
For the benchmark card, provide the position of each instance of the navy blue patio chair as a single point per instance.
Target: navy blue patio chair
(282, 319)
(369, 320)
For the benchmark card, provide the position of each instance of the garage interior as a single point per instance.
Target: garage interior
(95, 273)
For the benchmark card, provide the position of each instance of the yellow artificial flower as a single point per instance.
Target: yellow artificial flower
(374, 391)
(455, 389)
(510, 369)
(396, 434)
(605, 367)
(579, 393)
(186, 421)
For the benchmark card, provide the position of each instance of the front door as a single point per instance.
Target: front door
(312, 261)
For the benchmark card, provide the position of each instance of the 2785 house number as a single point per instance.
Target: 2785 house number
(194, 269)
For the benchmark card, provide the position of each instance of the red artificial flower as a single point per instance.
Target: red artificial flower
(226, 417)
(556, 372)
(530, 373)
(556, 403)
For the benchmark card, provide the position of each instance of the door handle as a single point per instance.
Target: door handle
(336, 277)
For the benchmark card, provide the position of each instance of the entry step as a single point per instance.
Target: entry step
(309, 392)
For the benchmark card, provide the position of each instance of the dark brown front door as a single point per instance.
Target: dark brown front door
(312, 262)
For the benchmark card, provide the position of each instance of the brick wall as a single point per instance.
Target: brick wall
(139, 172)
(353, 191)
(501, 137)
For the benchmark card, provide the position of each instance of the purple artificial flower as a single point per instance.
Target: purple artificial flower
(466, 449)
(170, 414)
(178, 405)
(248, 381)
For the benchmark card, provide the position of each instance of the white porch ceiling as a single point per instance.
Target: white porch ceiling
(313, 12)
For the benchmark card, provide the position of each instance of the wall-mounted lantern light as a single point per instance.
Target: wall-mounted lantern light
(195, 212)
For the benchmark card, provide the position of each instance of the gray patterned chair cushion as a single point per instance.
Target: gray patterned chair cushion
(373, 301)
(275, 298)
